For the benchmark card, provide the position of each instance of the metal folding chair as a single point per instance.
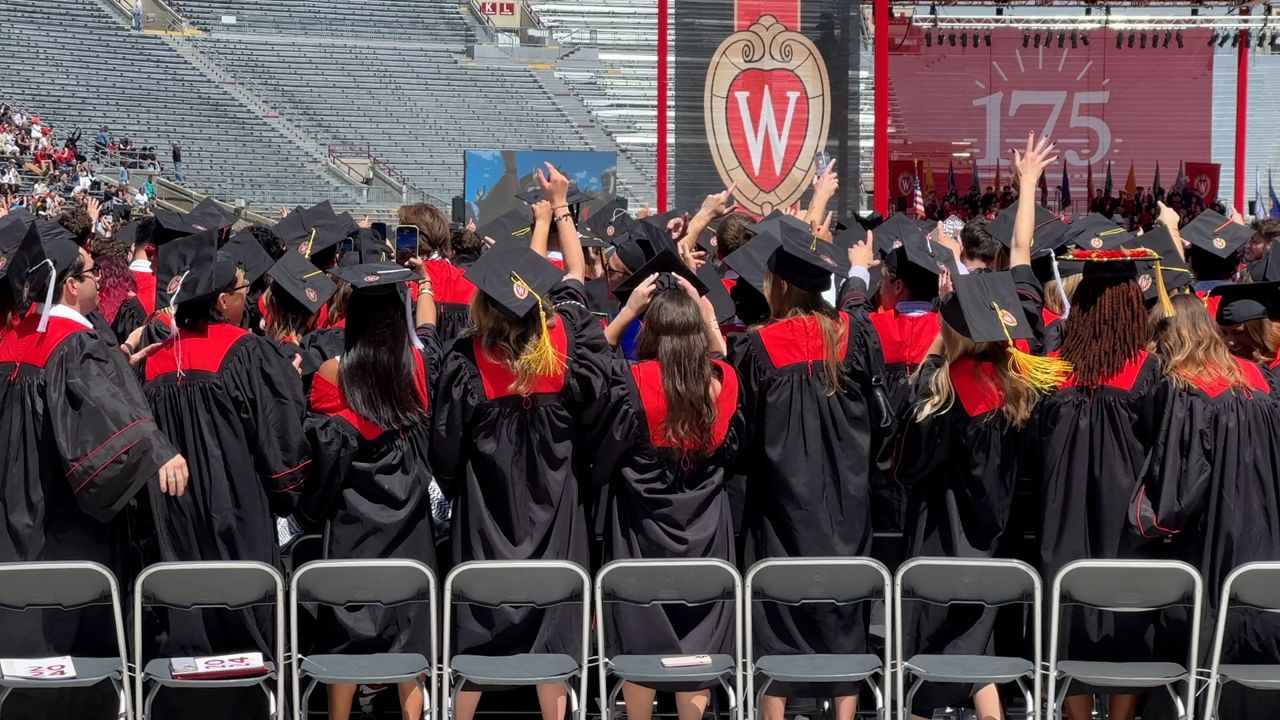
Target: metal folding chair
(1126, 586)
(352, 583)
(1252, 585)
(986, 582)
(833, 581)
(523, 583)
(67, 586)
(230, 585)
(664, 582)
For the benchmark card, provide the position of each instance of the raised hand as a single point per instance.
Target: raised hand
(826, 184)
(863, 254)
(1030, 163)
(542, 211)
(555, 186)
(717, 205)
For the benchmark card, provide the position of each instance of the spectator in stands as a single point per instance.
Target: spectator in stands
(85, 177)
(7, 144)
(433, 228)
(41, 163)
(140, 199)
(149, 189)
(65, 159)
(137, 15)
(177, 160)
(10, 182)
(122, 176)
(36, 129)
(101, 142)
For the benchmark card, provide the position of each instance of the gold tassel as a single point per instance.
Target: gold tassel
(1165, 303)
(310, 243)
(539, 357)
(1040, 373)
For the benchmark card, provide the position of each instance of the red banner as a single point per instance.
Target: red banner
(902, 178)
(1098, 103)
(1203, 178)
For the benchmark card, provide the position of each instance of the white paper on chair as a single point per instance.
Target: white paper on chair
(217, 667)
(54, 668)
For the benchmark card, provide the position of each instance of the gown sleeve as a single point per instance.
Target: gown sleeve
(431, 357)
(129, 317)
(615, 431)
(742, 358)
(101, 425)
(455, 405)
(918, 442)
(268, 392)
(1031, 297)
(1175, 484)
(333, 446)
(588, 372)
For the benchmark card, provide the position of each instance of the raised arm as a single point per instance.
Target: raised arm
(556, 188)
(1030, 166)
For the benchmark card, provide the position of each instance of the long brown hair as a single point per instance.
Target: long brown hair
(1053, 298)
(1191, 346)
(787, 301)
(1019, 397)
(1264, 336)
(1106, 329)
(675, 335)
(507, 339)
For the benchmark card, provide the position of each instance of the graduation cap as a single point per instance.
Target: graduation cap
(806, 262)
(573, 198)
(666, 263)
(655, 229)
(721, 301)
(895, 232)
(1240, 303)
(599, 300)
(1174, 269)
(249, 255)
(37, 264)
(518, 280)
(1048, 235)
(511, 224)
(1268, 268)
(310, 239)
(1215, 233)
(1096, 232)
(919, 262)
(368, 247)
(750, 260)
(192, 268)
(304, 282)
(1122, 264)
(607, 222)
(210, 214)
(985, 308)
(377, 277)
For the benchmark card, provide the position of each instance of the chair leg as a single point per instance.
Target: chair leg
(911, 696)
(305, 710)
(607, 711)
(1033, 712)
(151, 698)
(766, 681)
(122, 711)
(272, 711)
(1177, 701)
(875, 691)
(1056, 711)
(453, 698)
(4, 694)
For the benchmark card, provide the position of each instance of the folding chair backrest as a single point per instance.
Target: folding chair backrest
(839, 581)
(1256, 585)
(529, 583)
(647, 582)
(188, 585)
(363, 582)
(1127, 585)
(966, 580)
(64, 586)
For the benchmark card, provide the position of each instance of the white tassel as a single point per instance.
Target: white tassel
(173, 323)
(48, 293)
(408, 320)
(1062, 291)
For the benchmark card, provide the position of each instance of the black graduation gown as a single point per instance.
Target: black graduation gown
(453, 293)
(367, 489)
(808, 474)
(78, 442)
(663, 506)
(129, 317)
(1095, 445)
(961, 466)
(233, 406)
(1218, 500)
(514, 466)
(320, 346)
(904, 340)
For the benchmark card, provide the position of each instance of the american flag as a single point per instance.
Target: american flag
(919, 202)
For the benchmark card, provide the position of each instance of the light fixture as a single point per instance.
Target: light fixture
(1167, 37)
(1178, 37)
(1144, 38)
(1142, 41)
(1026, 38)
(1075, 38)
(928, 39)
(1119, 40)
(1084, 38)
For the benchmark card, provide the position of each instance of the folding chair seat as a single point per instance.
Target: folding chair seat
(650, 582)
(1126, 586)
(1251, 586)
(989, 583)
(66, 586)
(351, 584)
(830, 581)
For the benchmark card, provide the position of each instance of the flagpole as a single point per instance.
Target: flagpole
(880, 90)
(1242, 110)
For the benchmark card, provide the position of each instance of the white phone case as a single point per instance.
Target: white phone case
(686, 661)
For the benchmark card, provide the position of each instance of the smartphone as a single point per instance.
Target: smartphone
(347, 245)
(686, 661)
(380, 228)
(407, 237)
(821, 162)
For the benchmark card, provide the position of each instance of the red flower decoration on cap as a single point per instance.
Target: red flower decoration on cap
(1119, 254)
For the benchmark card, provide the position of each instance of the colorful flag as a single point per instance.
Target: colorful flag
(1155, 184)
(1131, 182)
(951, 177)
(1089, 185)
(997, 175)
(977, 177)
(1203, 178)
(1181, 183)
(1066, 189)
(919, 199)
(1106, 186)
(928, 176)
(1275, 201)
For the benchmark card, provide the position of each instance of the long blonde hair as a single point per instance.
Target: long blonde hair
(1053, 299)
(1019, 397)
(1191, 346)
(787, 301)
(1265, 337)
(507, 340)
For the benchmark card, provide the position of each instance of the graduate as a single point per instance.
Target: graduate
(1096, 436)
(135, 311)
(670, 436)
(231, 402)
(812, 404)
(1216, 244)
(1217, 496)
(79, 442)
(453, 291)
(293, 301)
(516, 397)
(369, 431)
(975, 394)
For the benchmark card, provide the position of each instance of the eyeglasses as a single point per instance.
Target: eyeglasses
(94, 272)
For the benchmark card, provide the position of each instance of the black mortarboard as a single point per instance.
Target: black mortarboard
(511, 224)
(573, 199)
(870, 222)
(1172, 267)
(192, 268)
(631, 251)
(249, 255)
(310, 238)
(514, 277)
(850, 236)
(379, 277)
(304, 282)
(654, 229)
(806, 262)
(37, 264)
(1268, 268)
(1050, 233)
(1241, 303)
(607, 222)
(368, 247)
(984, 307)
(1213, 232)
(918, 262)
(751, 260)
(599, 300)
(721, 300)
(210, 214)
(895, 232)
(1096, 232)
(664, 262)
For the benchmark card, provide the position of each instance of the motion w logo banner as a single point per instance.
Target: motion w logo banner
(760, 89)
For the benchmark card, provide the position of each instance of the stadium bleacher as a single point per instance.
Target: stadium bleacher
(411, 20)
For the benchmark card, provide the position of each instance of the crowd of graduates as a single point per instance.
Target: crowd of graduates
(702, 384)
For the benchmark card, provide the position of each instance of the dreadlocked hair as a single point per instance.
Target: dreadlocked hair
(787, 302)
(1106, 329)
(1191, 346)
